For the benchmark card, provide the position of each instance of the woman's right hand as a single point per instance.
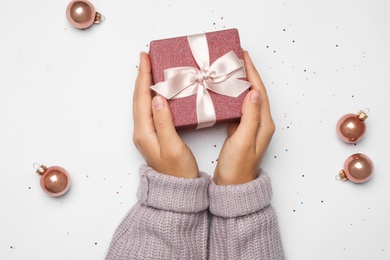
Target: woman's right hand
(154, 133)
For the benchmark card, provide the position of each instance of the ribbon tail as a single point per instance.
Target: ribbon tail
(204, 108)
(230, 87)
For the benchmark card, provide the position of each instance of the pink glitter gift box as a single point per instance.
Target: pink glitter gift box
(178, 53)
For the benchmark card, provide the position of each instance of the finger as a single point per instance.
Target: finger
(163, 123)
(266, 122)
(250, 119)
(257, 83)
(142, 99)
(252, 73)
(144, 136)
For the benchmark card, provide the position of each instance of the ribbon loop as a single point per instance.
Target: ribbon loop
(221, 77)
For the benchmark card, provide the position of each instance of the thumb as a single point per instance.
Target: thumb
(250, 119)
(163, 122)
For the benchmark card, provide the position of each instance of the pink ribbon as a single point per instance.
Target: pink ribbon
(221, 77)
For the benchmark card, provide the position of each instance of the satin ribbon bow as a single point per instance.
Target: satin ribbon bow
(221, 77)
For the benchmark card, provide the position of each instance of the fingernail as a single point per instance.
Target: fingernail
(255, 97)
(158, 103)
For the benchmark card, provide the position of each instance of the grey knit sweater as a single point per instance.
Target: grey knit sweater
(170, 221)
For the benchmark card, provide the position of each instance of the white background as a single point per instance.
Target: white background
(66, 99)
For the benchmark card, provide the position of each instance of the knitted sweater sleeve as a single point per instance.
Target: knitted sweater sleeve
(168, 222)
(244, 225)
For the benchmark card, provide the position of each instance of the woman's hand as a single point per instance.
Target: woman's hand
(248, 140)
(154, 133)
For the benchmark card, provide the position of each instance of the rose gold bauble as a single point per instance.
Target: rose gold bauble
(55, 180)
(358, 168)
(81, 14)
(351, 128)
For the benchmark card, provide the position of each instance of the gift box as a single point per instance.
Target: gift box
(202, 76)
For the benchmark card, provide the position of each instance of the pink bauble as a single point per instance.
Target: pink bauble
(351, 128)
(358, 168)
(55, 180)
(81, 14)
